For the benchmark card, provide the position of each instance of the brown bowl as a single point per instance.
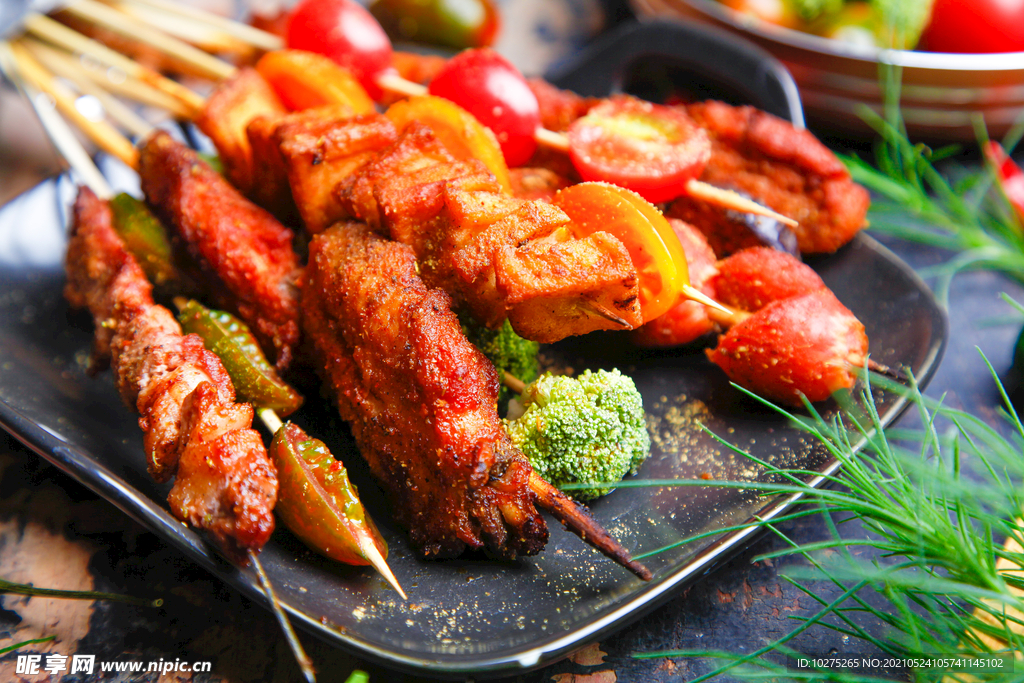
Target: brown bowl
(943, 94)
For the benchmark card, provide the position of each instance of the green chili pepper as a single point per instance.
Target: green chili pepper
(145, 238)
(455, 23)
(317, 502)
(254, 377)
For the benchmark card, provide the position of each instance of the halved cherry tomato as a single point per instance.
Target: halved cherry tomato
(487, 86)
(653, 246)
(648, 148)
(457, 129)
(304, 80)
(346, 33)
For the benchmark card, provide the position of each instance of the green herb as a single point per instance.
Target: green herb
(942, 589)
(917, 202)
(25, 589)
(34, 641)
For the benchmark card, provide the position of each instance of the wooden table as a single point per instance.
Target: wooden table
(55, 533)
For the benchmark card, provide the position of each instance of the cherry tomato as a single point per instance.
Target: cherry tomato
(457, 129)
(653, 246)
(648, 148)
(344, 31)
(304, 80)
(487, 86)
(975, 26)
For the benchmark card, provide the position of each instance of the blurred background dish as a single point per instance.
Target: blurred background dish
(942, 93)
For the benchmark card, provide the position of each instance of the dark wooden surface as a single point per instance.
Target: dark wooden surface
(55, 533)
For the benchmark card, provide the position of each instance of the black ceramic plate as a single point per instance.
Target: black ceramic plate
(470, 616)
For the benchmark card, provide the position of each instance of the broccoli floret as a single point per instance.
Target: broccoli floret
(587, 429)
(506, 349)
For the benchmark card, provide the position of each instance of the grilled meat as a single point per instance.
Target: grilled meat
(785, 168)
(244, 254)
(500, 255)
(419, 397)
(191, 425)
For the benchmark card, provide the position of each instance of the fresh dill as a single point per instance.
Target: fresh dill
(957, 208)
(946, 584)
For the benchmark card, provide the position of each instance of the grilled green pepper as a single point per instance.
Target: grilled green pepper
(254, 377)
(318, 503)
(454, 23)
(145, 238)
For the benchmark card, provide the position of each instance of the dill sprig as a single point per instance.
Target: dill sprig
(946, 585)
(958, 208)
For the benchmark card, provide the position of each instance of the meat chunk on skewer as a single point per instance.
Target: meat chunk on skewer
(502, 256)
(783, 167)
(227, 113)
(422, 404)
(420, 398)
(192, 427)
(243, 252)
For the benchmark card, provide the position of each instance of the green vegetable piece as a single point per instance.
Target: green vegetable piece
(505, 349)
(584, 430)
(145, 238)
(254, 377)
(454, 23)
(358, 676)
(316, 500)
(810, 10)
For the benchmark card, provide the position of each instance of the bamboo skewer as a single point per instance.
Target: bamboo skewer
(243, 32)
(60, 35)
(64, 65)
(102, 133)
(130, 27)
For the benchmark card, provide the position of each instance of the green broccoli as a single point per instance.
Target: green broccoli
(507, 350)
(587, 429)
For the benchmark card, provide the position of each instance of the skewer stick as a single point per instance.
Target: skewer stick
(301, 658)
(67, 144)
(731, 200)
(202, 35)
(62, 36)
(59, 132)
(251, 35)
(64, 65)
(569, 513)
(101, 132)
(129, 27)
(512, 382)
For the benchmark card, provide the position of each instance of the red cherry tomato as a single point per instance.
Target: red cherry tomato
(345, 32)
(648, 148)
(975, 26)
(487, 86)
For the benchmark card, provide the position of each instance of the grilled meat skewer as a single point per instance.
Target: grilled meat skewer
(192, 427)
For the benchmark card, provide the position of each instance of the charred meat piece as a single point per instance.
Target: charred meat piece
(321, 150)
(227, 113)
(270, 187)
(192, 427)
(780, 166)
(419, 397)
(502, 256)
(536, 183)
(421, 401)
(244, 254)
